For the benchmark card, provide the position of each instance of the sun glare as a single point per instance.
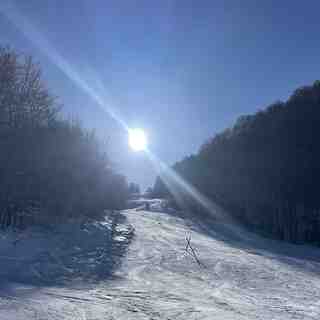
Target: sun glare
(137, 139)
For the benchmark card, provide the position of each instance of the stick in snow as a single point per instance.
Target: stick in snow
(192, 253)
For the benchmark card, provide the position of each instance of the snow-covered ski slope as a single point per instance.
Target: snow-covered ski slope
(242, 276)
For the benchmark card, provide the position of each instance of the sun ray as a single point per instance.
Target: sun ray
(30, 32)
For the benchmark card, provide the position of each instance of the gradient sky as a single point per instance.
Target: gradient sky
(181, 70)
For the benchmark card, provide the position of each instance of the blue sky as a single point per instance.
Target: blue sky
(182, 70)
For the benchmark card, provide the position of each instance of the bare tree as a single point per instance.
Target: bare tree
(48, 166)
(24, 97)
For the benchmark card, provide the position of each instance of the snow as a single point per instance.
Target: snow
(61, 254)
(242, 276)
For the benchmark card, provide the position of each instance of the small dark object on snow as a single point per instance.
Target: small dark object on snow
(193, 252)
(147, 205)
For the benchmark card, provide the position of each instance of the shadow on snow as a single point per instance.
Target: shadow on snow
(68, 254)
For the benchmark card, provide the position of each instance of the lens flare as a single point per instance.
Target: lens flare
(25, 26)
(137, 137)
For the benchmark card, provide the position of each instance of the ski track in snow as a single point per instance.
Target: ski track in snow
(246, 278)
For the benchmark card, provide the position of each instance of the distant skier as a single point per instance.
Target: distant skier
(147, 206)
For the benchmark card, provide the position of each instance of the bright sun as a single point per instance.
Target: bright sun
(137, 139)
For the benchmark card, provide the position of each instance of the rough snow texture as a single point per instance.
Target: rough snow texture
(243, 277)
(60, 254)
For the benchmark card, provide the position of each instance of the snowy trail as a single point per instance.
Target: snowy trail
(252, 278)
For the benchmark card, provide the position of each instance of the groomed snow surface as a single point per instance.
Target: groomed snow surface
(241, 276)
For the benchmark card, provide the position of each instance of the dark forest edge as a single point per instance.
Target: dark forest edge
(51, 169)
(265, 169)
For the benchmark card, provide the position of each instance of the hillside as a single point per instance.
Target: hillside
(265, 169)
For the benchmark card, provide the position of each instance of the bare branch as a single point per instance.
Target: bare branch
(192, 251)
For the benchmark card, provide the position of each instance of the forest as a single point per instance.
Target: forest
(51, 169)
(264, 169)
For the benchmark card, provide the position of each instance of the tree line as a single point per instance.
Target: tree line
(265, 169)
(50, 168)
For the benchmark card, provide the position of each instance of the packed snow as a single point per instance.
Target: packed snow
(240, 276)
